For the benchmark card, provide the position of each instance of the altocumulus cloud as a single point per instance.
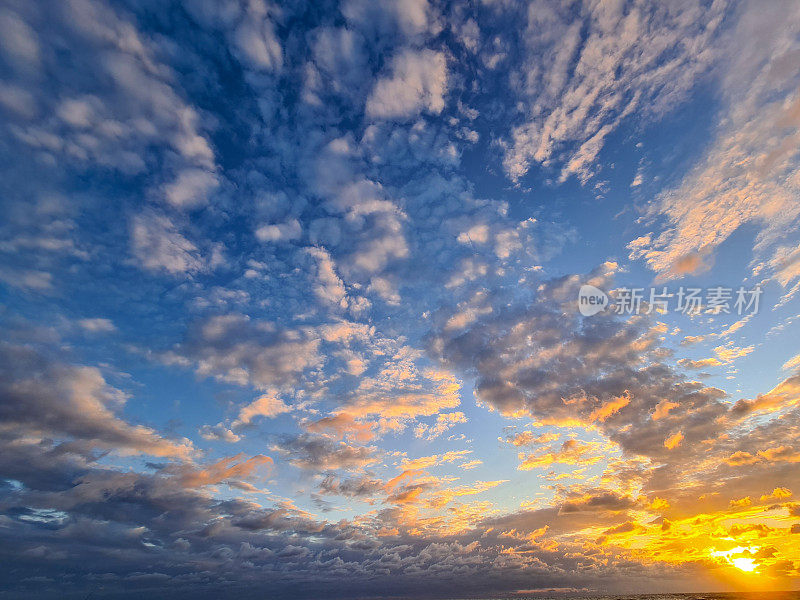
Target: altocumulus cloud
(289, 297)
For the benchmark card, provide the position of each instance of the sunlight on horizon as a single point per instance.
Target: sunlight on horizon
(746, 564)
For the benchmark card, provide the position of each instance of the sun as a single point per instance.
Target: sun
(748, 565)
(745, 564)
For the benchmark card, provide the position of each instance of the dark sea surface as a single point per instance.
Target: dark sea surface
(686, 596)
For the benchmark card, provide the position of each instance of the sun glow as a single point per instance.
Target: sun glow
(747, 565)
(735, 557)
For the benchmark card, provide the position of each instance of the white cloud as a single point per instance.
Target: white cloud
(97, 325)
(786, 264)
(792, 363)
(751, 172)
(191, 188)
(248, 26)
(158, 246)
(281, 232)
(418, 82)
(340, 62)
(255, 38)
(239, 350)
(18, 41)
(77, 112)
(27, 279)
(266, 406)
(583, 76)
(328, 286)
(129, 115)
(18, 100)
(218, 432)
(410, 18)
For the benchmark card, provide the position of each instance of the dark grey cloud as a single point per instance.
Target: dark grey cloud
(43, 396)
(321, 453)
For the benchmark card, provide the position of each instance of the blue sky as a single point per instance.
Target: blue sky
(289, 296)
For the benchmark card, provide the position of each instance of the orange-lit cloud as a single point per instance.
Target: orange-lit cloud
(572, 452)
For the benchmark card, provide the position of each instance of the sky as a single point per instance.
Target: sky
(398, 298)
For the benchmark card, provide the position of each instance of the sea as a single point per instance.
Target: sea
(787, 595)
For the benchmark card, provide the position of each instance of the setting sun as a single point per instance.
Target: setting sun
(740, 557)
(744, 564)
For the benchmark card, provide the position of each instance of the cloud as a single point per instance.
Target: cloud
(342, 425)
(401, 392)
(748, 174)
(191, 188)
(265, 406)
(410, 18)
(673, 441)
(368, 219)
(471, 464)
(605, 411)
(528, 438)
(741, 458)
(362, 486)
(129, 117)
(255, 39)
(20, 42)
(573, 93)
(418, 82)
(158, 246)
(240, 350)
(97, 325)
(28, 280)
(368, 293)
(329, 287)
(444, 421)
(278, 233)
(792, 363)
(218, 432)
(340, 61)
(780, 454)
(604, 501)
(320, 453)
(249, 28)
(785, 264)
(426, 462)
(42, 396)
(663, 409)
(688, 363)
(536, 357)
(779, 493)
(782, 397)
(572, 452)
(228, 470)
